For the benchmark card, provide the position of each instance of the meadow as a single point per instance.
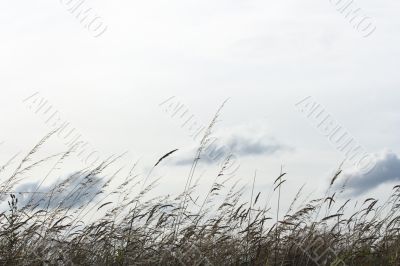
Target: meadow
(120, 225)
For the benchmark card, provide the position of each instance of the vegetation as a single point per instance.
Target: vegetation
(115, 226)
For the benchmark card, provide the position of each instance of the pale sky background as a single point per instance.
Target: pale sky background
(264, 55)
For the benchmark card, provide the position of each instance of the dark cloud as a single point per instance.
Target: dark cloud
(386, 170)
(240, 145)
(73, 191)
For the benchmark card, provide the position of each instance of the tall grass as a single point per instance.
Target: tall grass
(115, 226)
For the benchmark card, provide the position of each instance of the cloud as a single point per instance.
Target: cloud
(77, 190)
(241, 142)
(386, 170)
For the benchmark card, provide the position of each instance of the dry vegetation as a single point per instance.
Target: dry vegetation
(120, 227)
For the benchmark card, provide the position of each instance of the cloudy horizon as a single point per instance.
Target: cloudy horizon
(145, 78)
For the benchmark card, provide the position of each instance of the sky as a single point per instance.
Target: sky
(109, 81)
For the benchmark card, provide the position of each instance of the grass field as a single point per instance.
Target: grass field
(118, 227)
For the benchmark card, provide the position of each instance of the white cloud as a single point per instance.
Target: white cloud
(386, 171)
(76, 190)
(244, 141)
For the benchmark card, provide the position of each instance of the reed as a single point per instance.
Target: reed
(115, 226)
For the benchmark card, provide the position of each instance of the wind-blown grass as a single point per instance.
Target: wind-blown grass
(115, 226)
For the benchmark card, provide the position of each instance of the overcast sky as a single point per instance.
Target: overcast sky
(109, 80)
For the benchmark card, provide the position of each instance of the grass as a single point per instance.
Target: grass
(115, 226)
